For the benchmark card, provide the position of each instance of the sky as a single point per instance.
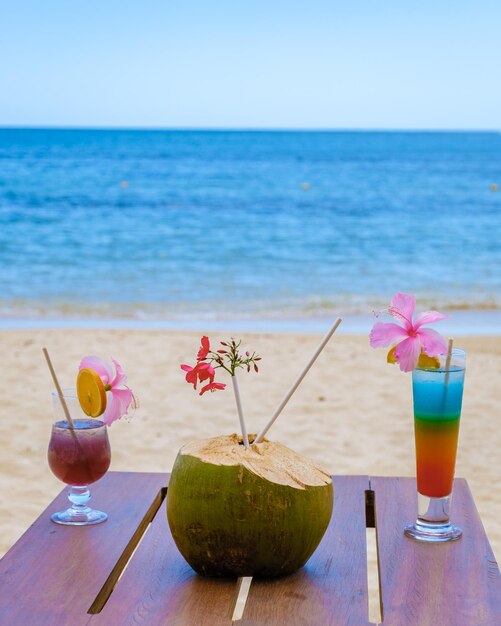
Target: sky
(362, 64)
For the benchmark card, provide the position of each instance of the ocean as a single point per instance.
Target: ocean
(173, 226)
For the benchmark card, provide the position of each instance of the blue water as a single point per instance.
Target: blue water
(211, 225)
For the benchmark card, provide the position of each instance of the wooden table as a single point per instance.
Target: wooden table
(57, 575)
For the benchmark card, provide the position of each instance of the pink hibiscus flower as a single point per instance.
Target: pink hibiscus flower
(119, 397)
(409, 337)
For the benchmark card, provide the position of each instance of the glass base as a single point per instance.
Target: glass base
(79, 514)
(432, 524)
(431, 533)
(83, 517)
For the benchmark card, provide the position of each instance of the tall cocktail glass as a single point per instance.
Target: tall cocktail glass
(438, 395)
(78, 456)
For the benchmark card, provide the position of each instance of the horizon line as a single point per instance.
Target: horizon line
(248, 129)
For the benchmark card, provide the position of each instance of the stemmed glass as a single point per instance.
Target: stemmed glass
(438, 394)
(78, 456)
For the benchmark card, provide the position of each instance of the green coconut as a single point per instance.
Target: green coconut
(235, 511)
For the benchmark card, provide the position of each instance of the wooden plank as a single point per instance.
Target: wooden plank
(332, 587)
(159, 587)
(53, 573)
(447, 584)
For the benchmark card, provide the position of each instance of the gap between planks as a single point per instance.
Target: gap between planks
(243, 588)
(242, 585)
(116, 573)
(374, 600)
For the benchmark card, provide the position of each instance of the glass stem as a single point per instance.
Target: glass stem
(79, 496)
(434, 510)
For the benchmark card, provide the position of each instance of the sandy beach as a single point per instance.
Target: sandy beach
(352, 413)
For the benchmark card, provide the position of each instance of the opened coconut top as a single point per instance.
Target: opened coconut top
(269, 459)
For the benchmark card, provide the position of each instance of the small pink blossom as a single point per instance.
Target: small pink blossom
(204, 349)
(212, 387)
(209, 360)
(409, 337)
(191, 375)
(201, 372)
(119, 397)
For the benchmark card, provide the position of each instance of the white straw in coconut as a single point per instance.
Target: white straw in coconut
(240, 411)
(58, 388)
(298, 380)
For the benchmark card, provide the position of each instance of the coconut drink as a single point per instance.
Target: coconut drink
(235, 511)
(244, 505)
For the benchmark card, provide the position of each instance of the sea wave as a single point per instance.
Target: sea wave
(306, 308)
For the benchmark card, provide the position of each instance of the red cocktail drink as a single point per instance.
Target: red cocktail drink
(80, 456)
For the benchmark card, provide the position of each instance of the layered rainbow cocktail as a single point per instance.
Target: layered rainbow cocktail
(438, 395)
(436, 427)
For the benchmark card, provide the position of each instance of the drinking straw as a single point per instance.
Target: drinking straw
(298, 380)
(447, 371)
(58, 388)
(448, 360)
(240, 411)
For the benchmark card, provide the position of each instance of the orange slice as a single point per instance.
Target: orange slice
(391, 356)
(428, 362)
(424, 361)
(91, 392)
